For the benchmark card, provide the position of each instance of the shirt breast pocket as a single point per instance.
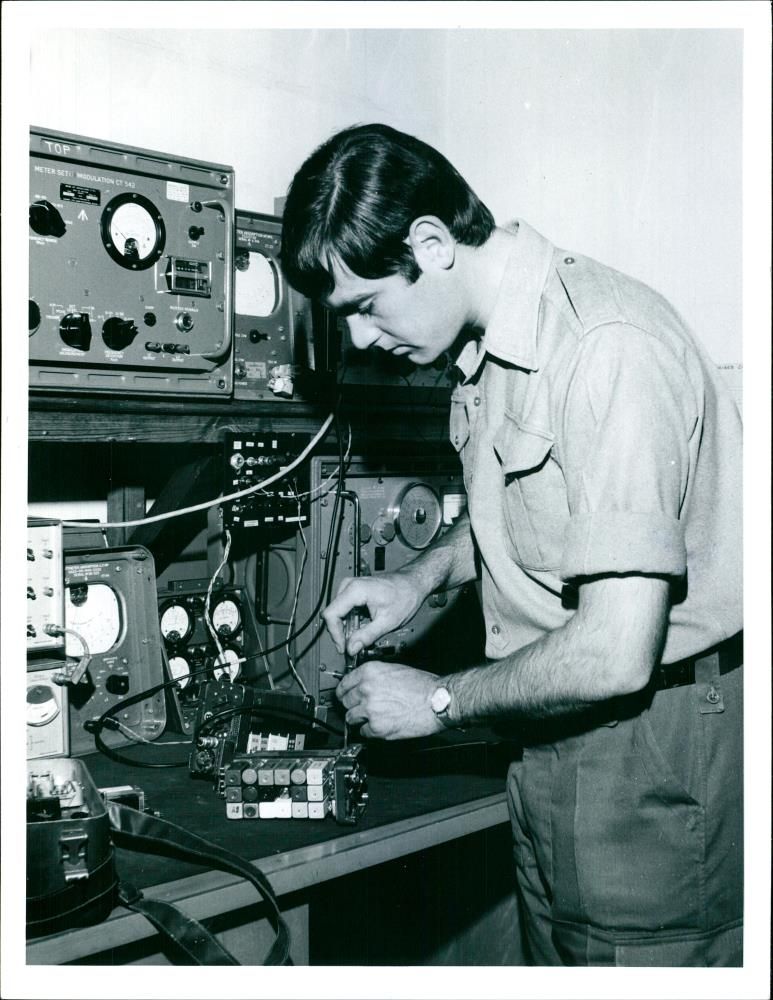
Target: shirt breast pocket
(536, 510)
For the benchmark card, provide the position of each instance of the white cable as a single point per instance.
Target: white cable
(210, 503)
(320, 490)
(221, 660)
(290, 663)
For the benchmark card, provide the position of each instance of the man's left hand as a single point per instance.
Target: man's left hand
(390, 700)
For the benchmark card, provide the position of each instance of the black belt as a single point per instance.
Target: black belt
(670, 675)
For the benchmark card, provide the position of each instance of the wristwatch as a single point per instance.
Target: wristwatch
(440, 702)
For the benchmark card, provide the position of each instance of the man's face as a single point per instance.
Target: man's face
(420, 320)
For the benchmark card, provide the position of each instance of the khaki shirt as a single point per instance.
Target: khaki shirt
(596, 438)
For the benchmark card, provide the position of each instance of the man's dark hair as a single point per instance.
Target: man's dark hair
(355, 198)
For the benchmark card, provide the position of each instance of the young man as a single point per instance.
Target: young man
(602, 463)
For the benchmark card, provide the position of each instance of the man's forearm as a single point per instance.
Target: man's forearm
(606, 650)
(449, 562)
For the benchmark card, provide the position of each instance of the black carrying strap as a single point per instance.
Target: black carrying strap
(137, 830)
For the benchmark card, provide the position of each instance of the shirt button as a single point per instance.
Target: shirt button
(495, 630)
(568, 260)
(456, 439)
(476, 401)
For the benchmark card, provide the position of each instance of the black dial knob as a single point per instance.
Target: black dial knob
(118, 333)
(34, 316)
(75, 330)
(45, 220)
(117, 683)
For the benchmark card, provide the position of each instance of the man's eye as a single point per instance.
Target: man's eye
(365, 310)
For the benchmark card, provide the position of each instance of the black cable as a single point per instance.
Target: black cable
(106, 720)
(264, 710)
(327, 576)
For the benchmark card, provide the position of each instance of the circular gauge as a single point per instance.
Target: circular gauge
(226, 617)
(176, 623)
(42, 705)
(133, 231)
(231, 668)
(417, 515)
(256, 285)
(180, 670)
(92, 610)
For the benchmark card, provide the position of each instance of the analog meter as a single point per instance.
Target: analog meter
(231, 668)
(176, 623)
(133, 231)
(42, 706)
(180, 669)
(256, 284)
(226, 617)
(93, 611)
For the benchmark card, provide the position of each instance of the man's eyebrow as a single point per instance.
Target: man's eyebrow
(347, 306)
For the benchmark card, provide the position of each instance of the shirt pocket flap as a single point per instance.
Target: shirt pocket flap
(459, 422)
(520, 448)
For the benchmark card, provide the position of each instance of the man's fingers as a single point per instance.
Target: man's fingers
(365, 636)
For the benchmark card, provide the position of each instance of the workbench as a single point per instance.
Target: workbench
(424, 877)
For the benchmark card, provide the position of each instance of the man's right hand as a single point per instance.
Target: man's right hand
(392, 599)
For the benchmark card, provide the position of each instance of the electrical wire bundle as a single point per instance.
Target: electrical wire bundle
(108, 719)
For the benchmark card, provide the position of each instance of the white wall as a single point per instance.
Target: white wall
(625, 145)
(257, 100)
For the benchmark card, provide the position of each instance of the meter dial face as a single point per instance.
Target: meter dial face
(226, 617)
(180, 670)
(92, 610)
(256, 285)
(133, 231)
(176, 623)
(42, 706)
(417, 515)
(231, 668)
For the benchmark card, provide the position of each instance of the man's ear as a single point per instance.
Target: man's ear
(432, 243)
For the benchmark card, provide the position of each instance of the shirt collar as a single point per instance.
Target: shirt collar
(511, 333)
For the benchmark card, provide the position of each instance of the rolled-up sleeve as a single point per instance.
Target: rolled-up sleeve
(629, 415)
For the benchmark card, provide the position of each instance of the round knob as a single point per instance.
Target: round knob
(34, 316)
(196, 232)
(75, 330)
(117, 683)
(45, 220)
(256, 336)
(118, 333)
(383, 530)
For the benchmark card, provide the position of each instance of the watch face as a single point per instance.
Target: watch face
(440, 700)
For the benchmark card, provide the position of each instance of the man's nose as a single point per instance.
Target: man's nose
(363, 333)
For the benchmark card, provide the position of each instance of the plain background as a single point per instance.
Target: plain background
(613, 128)
(624, 145)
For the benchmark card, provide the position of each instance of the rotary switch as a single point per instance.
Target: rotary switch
(45, 220)
(75, 330)
(118, 333)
